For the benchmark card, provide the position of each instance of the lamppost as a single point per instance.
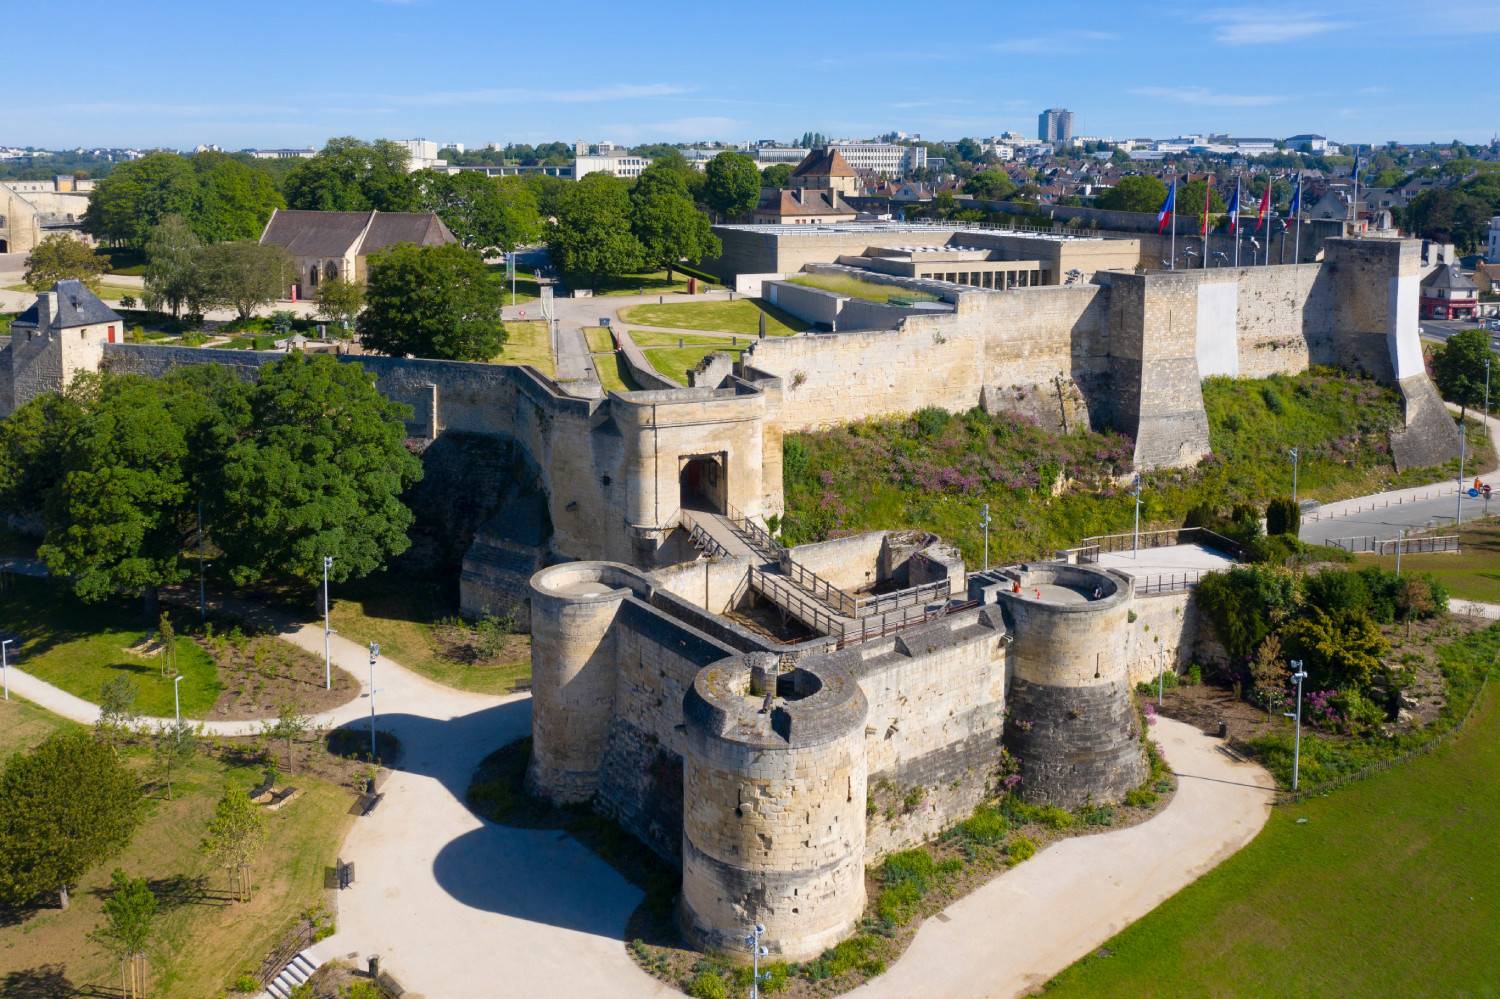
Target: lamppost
(374, 651)
(1135, 540)
(1463, 440)
(327, 652)
(1161, 676)
(757, 951)
(1296, 460)
(1487, 396)
(177, 704)
(5, 666)
(1299, 675)
(1400, 544)
(984, 522)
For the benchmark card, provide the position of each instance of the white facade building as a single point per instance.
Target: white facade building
(614, 164)
(886, 158)
(421, 154)
(1492, 251)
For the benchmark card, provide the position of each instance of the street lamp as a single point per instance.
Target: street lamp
(1299, 675)
(1487, 396)
(374, 651)
(1296, 459)
(5, 666)
(1463, 441)
(1400, 544)
(177, 704)
(984, 522)
(1135, 542)
(757, 951)
(327, 653)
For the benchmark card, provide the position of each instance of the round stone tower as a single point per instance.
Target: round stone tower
(573, 607)
(774, 815)
(1069, 715)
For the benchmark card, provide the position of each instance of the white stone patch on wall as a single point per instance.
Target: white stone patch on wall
(1401, 326)
(1218, 344)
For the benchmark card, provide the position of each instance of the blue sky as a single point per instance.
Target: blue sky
(274, 73)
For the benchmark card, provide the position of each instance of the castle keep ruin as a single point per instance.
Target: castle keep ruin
(750, 711)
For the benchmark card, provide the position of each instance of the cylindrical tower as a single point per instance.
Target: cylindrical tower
(573, 607)
(774, 806)
(1069, 717)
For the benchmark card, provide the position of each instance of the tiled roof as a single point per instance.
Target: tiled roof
(823, 162)
(334, 234)
(76, 306)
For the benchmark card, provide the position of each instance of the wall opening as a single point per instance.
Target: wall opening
(4, 246)
(704, 483)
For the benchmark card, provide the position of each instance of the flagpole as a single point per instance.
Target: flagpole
(1234, 220)
(1174, 224)
(1297, 239)
(1354, 205)
(1208, 198)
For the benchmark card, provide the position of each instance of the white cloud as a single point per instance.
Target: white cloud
(1249, 26)
(1203, 97)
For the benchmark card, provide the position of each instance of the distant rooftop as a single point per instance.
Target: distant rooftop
(879, 228)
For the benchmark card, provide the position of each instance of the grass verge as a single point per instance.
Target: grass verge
(527, 342)
(675, 363)
(739, 316)
(1472, 572)
(842, 284)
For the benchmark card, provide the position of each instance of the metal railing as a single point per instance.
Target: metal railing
(870, 628)
(1369, 544)
(796, 602)
(1089, 549)
(757, 537)
(837, 599)
(881, 603)
(1171, 582)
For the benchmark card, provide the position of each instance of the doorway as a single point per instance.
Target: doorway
(704, 482)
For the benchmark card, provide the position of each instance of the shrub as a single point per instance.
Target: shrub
(1019, 849)
(708, 984)
(931, 420)
(192, 338)
(127, 301)
(245, 983)
(1282, 516)
(986, 825)
(915, 866)
(1140, 797)
(1246, 604)
(863, 953)
(1054, 817)
(896, 904)
(1343, 649)
(1096, 815)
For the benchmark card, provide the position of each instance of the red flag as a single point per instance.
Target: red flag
(1265, 206)
(1208, 199)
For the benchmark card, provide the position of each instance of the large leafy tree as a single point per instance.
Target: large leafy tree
(340, 302)
(1459, 368)
(65, 806)
(431, 301)
(1135, 193)
(482, 212)
(322, 474)
(776, 175)
(59, 257)
(235, 198)
(136, 195)
(592, 239)
(350, 175)
(990, 185)
(235, 836)
(731, 184)
(173, 275)
(668, 225)
(1343, 649)
(244, 275)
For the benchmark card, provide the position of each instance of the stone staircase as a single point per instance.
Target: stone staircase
(300, 970)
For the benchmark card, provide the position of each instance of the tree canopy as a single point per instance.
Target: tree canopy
(592, 239)
(244, 275)
(65, 807)
(1458, 367)
(1133, 193)
(991, 185)
(776, 175)
(665, 221)
(484, 213)
(219, 196)
(59, 257)
(353, 176)
(172, 276)
(731, 185)
(432, 301)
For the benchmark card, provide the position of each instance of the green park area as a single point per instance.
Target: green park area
(853, 287)
(599, 339)
(527, 288)
(1384, 887)
(648, 283)
(674, 355)
(107, 290)
(202, 941)
(527, 342)
(613, 374)
(1472, 572)
(739, 316)
(123, 259)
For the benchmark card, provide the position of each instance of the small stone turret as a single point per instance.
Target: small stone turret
(1070, 718)
(774, 806)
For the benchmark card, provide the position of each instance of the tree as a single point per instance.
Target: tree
(129, 921)
(235, 199)
(323, 474)
(484, 213)
(991, 185)
(245, 276)
(432, 301)
(1269, 673)
(168, 636)
(667, 224)
(173, 745)
(136, 195)
(1190, 199)
(776, 175)
(116, 709)
(32, 441)
(1134, 193)
(1245, 605)
(65, 806)
(288, 724)
(731, 184)
(1343, 649)
(1282, 516)
(340, 302)
(592, 240)
(353, 176)
(173, 275)
(1458, 367)
(236, 834)
(60, 257)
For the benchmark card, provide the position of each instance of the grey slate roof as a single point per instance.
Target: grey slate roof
(334, 234)
(76, 306)
(1450, 278)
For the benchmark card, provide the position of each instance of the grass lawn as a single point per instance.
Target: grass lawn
(855, 288)
(646, 339)
(5, 320)
(740, 316)
(527, 342)
(1387, 887)
(528, 289)
(613, 374)
(654, 282)
(599, 339)
(108, 291)
(675, 363)
(80, 647)
(409, 620)
(123, 259)
(1472, 573)
(23, 725)
(202, 940)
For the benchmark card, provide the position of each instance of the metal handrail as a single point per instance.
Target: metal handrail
(1170, 582)
(838, 599)
(1165, 538)
(759, 536)
(792, 600)
(907, 620)
(870, 606)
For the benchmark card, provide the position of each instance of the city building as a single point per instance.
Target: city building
(421, 154)
(1492, 248)
(1449, 293)
(326, 245)
(282, 154)
(884, 158)
(614, 164)
(1055, 125)
(780, 154)
(827, 170)
(1309, 143)
(31, 210)
(804, 206)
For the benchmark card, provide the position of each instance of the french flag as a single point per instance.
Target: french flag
(1234, 208)
(1164, 217)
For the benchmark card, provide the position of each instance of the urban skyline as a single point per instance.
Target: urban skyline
(1358, 73)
